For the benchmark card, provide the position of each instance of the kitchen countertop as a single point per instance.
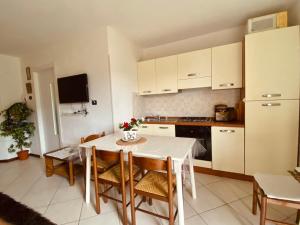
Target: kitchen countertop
(174, 121)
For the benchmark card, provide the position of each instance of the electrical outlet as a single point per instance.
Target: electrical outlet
(94, 102)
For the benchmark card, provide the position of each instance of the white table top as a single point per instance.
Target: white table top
(155, 146)
(279, 186)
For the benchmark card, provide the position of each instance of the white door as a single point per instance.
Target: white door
(46, 110)
(227, 66)
(166, 74)
(228, 149)
(271, 136)
(146, 77)
(272, 64)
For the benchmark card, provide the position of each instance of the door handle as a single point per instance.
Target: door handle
(191, 74)
(227, 131)
(147, 92)
(166, 90)
(226, 85)
(271, 104)
(271, 95)
(163, 127)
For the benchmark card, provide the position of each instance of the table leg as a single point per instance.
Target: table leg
(49, 166)
(192, 175)
(88, 175)
(177, 168)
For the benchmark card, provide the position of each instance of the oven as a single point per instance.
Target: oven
(202, 148)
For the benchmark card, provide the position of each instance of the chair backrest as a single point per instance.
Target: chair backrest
(91, 137)
(150, 163)
(108, 156)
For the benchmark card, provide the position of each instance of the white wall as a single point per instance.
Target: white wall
(123, 70)
(200, 42)
(85, 53)
(11, 91)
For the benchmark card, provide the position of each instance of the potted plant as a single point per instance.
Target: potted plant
(17, 126)
(130, 129)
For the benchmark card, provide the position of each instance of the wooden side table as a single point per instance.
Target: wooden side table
(66, 166)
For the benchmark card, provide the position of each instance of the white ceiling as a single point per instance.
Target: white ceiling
(30, 24)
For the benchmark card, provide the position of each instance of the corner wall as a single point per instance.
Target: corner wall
(85, 53)
(11, 91)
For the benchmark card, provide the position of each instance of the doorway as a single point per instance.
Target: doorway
(46, 108)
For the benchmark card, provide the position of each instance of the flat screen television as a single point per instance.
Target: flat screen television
(73, 89)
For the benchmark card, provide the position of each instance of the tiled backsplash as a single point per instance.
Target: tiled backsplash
(193, 102)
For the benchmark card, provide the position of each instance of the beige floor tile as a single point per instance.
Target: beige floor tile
(67, 193)
(72, 223)
(206, 179)
(206, 200)
(64, 212)
(41, 210)
(38, 199)
(89, 210)
(227, 191)
(195, 220)
(107, 219)
(244, 207)
(224, 215)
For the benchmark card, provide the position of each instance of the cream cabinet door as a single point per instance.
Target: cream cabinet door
(271, 136)
(164, 130)
(194, 64)
(147, 129)
(272, 64)
(228, 149)
(146, 77)
(166, 74)
(227, 66)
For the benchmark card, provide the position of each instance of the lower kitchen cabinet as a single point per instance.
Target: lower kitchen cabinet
(228, 149)
(157, 129)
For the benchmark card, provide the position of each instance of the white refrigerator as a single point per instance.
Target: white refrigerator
(272, 78)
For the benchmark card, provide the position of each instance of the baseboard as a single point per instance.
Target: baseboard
(35, 155)
(219, 173)
(8, 160)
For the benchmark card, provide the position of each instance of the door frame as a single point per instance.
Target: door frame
(36, 91)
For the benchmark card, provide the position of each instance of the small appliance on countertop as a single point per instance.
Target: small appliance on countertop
(223, 113)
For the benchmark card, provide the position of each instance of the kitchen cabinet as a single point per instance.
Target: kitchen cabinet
(166, 74)
(272, 64)
(157, 129)
(227, 66)
(271, 136)
(194, 69)
(146, 77)
(228, 149)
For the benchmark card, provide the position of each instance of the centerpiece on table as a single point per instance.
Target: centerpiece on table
(130, 129)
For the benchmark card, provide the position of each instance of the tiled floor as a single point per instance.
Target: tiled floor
(219, 200)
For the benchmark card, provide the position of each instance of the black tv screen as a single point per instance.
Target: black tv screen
(73, 89)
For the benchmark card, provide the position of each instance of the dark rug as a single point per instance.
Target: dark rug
(15, 213)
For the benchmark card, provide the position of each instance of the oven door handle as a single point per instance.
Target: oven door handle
(227, 131)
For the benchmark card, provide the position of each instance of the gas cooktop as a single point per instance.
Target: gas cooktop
(195, 119)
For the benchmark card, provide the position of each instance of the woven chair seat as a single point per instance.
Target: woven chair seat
(103, 165)
(155, 183)
(113, 174)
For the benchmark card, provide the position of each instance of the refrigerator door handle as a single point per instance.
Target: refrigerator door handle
(271, 95)
(271, 104)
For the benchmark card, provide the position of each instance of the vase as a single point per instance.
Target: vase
(129, 135)
(23, 154)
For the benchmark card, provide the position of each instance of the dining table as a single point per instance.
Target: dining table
(178, 148)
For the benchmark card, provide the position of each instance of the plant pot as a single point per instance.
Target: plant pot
(129, 135)
(23, 154)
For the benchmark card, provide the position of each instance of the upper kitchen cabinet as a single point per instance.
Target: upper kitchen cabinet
(194, 69)
(166, 74)
(146, 77)
(272, 64)
(227, 66)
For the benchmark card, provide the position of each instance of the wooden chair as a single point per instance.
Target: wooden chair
(275, 189)
(116, 176)
(157, 183)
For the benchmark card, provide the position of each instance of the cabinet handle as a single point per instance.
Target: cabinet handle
(226, 85)
(227, 131)
(163, 127)
(144, 126)
(271, 104)
(166, 90)
(191, 74)
(147, 91)
(271, 95)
